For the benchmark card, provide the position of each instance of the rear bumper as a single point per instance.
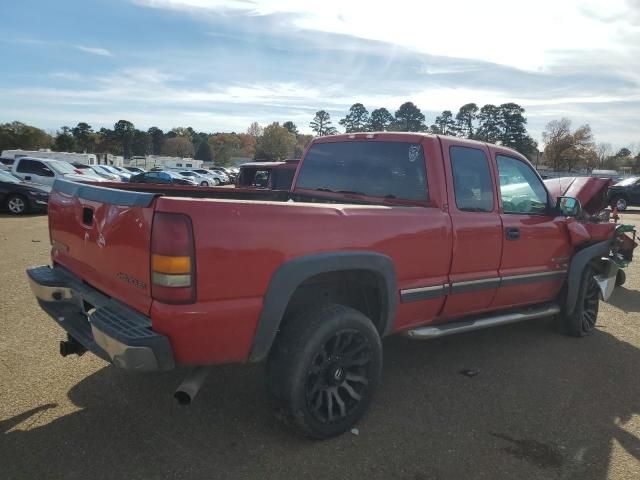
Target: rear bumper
(109, 329)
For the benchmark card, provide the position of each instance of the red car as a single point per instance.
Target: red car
(380, 234)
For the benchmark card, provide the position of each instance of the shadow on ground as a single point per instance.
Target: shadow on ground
(542, 406)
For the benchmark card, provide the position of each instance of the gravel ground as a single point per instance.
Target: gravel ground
(543, 406)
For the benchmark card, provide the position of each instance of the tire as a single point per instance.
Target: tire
(216, 182)
(204, 184)
(324, 369)
(585, 314)
(621, 277)
(620, 203)
(17, 204)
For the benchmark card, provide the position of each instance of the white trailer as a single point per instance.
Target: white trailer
(85, 158)
(151, 161)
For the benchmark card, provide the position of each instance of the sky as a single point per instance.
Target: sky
(218, 65)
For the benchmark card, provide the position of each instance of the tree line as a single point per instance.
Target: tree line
(270, 143)
(565, 149)
(569, 150)
(504, 124)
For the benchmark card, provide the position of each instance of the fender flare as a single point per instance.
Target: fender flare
(292, 273)
(578, 264)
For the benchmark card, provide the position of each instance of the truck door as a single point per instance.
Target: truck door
(477, 230)
(536, 248)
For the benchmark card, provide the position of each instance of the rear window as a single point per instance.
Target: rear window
(377, 169)
(281, 178)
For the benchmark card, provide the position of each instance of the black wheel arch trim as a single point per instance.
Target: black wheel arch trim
(578, 264)
(294, 272)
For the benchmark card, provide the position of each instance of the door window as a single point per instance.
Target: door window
(34, 167)
(472, 183)
(520, 188)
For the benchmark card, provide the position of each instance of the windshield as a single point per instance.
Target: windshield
(61, 167)
(175, 175)
(628, 181)
(8, 177)
(378, 169)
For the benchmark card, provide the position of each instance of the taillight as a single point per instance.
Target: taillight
(173, 268)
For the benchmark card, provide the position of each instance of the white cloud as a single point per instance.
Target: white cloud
(518, 34)
(94, 50)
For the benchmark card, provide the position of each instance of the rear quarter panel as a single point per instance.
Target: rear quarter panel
(240, 245)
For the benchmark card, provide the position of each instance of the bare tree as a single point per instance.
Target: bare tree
(255, 130)
(567, 150)
(557, 138)
(604, 151)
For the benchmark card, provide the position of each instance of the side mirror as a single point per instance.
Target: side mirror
(568, 206)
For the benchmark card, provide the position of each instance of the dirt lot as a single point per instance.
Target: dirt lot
(543, 406)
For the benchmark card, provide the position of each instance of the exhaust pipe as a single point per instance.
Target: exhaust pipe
(191, 385)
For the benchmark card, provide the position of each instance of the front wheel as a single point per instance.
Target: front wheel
(324, 369)
(583, 319)
(620, 203)
(216, 182)
(204, 184)
(17, 205)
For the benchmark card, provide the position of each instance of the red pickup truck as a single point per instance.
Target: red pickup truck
(381, 233)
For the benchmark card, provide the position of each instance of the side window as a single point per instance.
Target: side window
(471, 179)
(520, 188)
(34, 167)
(153, 175)
(27, 166)
(164, 176)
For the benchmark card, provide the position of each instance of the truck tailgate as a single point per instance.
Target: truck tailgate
(103, 236)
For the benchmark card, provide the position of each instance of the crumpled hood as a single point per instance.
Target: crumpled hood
(590, 191)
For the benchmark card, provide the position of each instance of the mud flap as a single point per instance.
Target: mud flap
(607, 279)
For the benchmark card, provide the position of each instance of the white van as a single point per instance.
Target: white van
(45, 171)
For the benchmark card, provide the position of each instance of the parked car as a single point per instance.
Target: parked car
(380, 233)
(625, 194)
(226, 172)
(123, 172)
(20, 197)
(134, 170)
(161, 177)
(107, 172)
(198, 179)
(45, 171)
(217, 178)
(91, 173)
(269, 175)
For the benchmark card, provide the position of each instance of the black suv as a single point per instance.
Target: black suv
(624, 194)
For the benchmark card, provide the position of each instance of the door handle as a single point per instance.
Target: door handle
(512, 233)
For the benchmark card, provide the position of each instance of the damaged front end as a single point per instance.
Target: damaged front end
(597, 223)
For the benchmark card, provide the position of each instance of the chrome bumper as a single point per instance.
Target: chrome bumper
(107, 328)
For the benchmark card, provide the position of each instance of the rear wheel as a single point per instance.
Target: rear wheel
(324, 369)
(621, 277)
(620, 203)
(17, 204)
(583, 319)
